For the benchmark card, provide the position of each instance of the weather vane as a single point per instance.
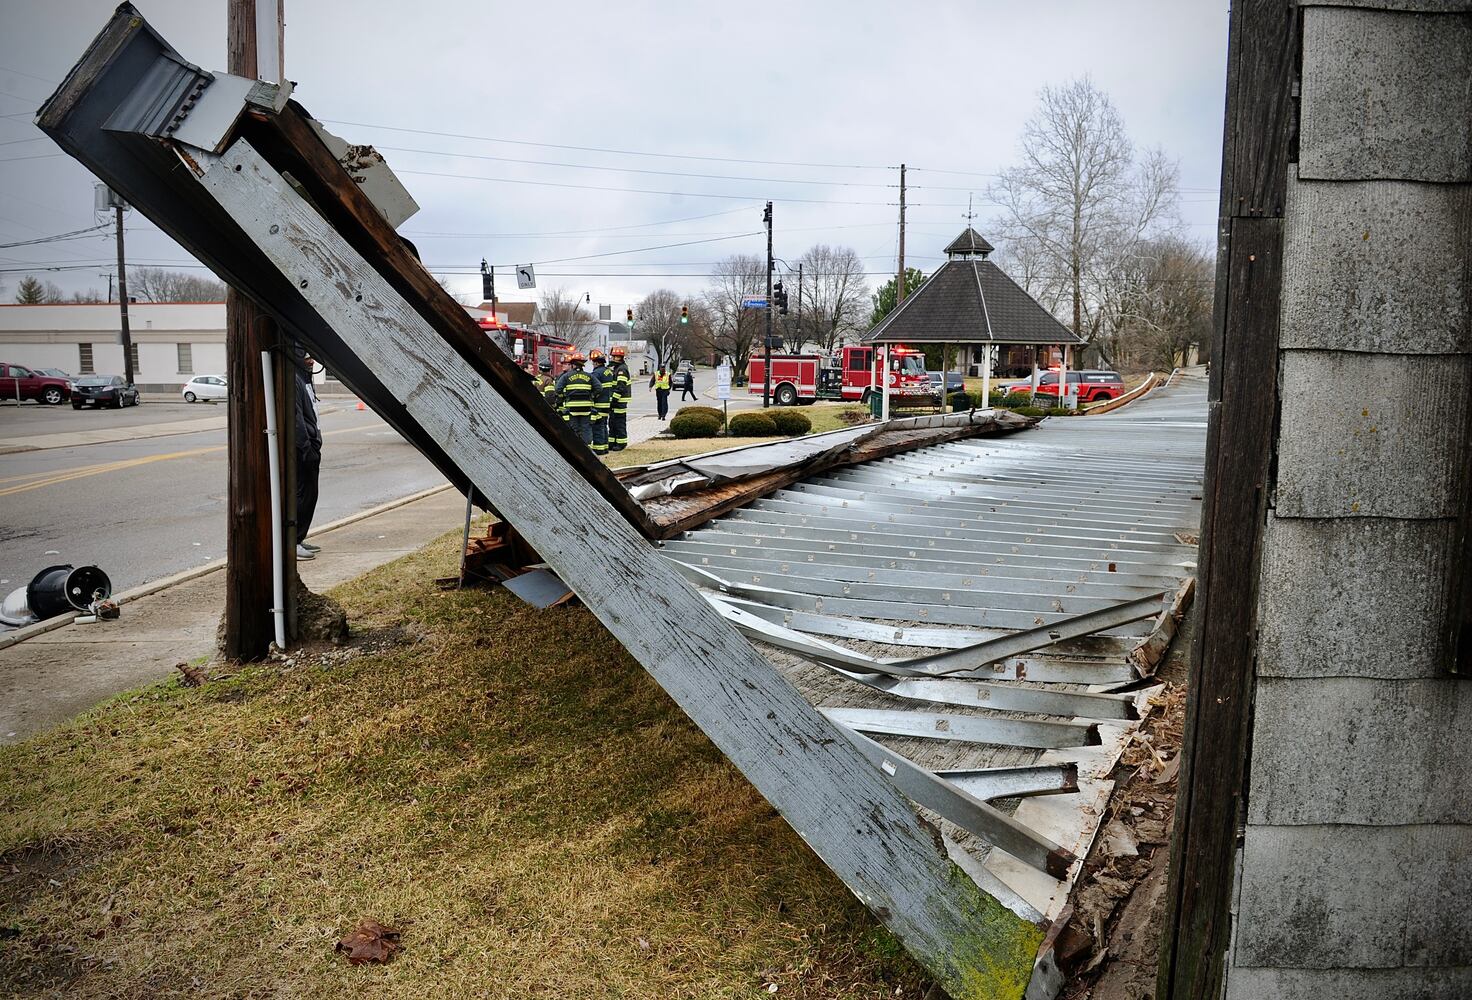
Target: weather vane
(969, 213)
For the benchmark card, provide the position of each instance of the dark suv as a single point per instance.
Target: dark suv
(20, 382)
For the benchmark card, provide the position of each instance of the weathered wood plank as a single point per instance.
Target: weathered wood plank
(1354, 897)
(1353, 597)
(1261, 123)
(1360, 751)
(290, 144)
(1218, 709)
(1373, 435)
(1386, 95)
(835, 799)
(1401, 281)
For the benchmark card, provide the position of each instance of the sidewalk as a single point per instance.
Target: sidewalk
(54, 676)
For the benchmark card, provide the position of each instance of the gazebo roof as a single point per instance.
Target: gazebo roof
(969, 300)
(969, 242)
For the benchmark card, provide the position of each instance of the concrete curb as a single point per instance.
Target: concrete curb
(171, 429)
(184, 576)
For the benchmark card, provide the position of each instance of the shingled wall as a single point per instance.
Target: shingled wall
(1356, 867)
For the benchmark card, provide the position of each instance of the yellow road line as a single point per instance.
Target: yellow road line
(82, 472)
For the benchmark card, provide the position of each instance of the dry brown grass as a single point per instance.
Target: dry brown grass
(503, 785)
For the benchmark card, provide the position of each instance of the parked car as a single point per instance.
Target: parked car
(1092, 385)
(204, 387)
(57, 373)
(103, 390)
(22, 383)
(955, 381)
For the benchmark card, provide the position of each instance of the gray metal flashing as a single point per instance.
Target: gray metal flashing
(1063, 556)
(775, 553)
(834, 570)
(999, 730)
(964, 809)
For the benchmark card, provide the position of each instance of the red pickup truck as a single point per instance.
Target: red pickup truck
(1091, 386)
(20, 382)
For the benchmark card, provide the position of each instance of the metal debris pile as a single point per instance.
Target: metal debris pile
(983, 618)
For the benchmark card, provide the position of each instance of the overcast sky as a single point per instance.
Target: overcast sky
(832, 95)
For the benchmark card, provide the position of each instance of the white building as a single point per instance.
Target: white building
(172, 342)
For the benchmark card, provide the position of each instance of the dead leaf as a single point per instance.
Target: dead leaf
(193, 676)
(371, 942)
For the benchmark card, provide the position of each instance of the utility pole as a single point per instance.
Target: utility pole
(767, 341)
(488, 284)
(899, 285)
(123, 299)
(109, 276)
(799, 305)
(249, 625)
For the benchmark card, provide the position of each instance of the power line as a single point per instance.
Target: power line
(633, 170)
(617, 152)
(584, 232)
(625, 190)
(58, 237)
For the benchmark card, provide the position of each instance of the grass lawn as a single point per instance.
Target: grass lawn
(825, 417)
(504, 786)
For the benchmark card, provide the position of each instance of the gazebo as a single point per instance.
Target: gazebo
(969, 302)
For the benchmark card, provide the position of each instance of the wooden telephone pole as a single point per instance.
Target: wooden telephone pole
(249, 627)
(899, 288)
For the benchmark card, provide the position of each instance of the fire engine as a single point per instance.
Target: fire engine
(851, 374)
(528, 348)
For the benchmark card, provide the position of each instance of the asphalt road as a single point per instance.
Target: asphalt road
(29, 419)
(146, 508)
(143, 509)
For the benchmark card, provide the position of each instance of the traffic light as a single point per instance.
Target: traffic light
(684, 314)
(631, 317)
(779, 298)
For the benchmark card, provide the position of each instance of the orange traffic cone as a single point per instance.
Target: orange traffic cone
(361, 406)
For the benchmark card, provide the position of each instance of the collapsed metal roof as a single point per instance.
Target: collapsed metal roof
(972, 604)
(988, 609)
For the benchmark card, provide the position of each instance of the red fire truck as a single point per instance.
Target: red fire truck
(528, 348)
(850, 374)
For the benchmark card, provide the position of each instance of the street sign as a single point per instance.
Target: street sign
(755, 302)
(525, 276)
(723, 382)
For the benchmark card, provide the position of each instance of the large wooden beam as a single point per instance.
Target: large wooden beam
(841, 805)
(1262, 67)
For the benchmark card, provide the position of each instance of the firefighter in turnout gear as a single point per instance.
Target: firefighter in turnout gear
(544, 384)
(576, 389)
(618, 414)
(602, 401)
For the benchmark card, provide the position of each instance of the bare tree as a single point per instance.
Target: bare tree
(1079, 202)
(836, 303)
(1163, 304)
(657, 320)
(561, 313)
(154, 284)
(730, 330)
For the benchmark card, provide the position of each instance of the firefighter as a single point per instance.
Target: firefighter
(544, 385)
(660, 383)
(575, 389)
(602, 401)
(618, 417)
